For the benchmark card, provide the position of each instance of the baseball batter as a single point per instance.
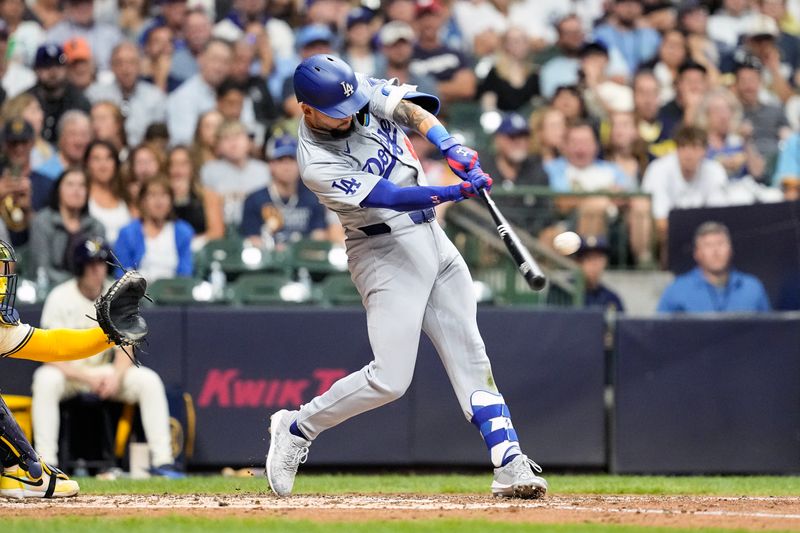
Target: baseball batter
(355, 157)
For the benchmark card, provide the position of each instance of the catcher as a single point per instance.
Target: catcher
(24, 473)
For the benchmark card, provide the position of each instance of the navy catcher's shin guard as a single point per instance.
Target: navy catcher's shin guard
(14, 446)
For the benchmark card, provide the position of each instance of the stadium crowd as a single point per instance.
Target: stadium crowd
(162, 125)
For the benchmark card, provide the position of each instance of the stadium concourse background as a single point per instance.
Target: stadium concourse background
(690, 395)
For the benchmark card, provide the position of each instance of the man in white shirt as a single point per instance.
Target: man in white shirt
(730, 22)
(140, 102)
(685, 178)
(110, 375)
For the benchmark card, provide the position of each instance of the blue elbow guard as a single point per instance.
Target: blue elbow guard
(428, 102)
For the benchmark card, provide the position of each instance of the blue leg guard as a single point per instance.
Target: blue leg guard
(491, 416)
(14, 447)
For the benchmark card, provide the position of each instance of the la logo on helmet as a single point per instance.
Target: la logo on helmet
(347, 88)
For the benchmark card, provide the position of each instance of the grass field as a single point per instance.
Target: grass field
(333, 503)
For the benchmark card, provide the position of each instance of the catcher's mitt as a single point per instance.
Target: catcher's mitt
(118, 310)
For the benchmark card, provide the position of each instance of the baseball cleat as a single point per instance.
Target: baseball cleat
(518, 479)
(16, 483)
(286, 453)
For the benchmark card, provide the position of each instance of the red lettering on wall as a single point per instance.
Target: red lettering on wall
(292, 392)
(248, 392)
(327, 377)
(216, 388)
(272, 392)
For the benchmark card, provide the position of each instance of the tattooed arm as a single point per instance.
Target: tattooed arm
(461, 159)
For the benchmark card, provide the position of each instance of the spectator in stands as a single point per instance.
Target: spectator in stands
(235, 175)
(620, 32)
(511, 164)
(198, 94)
(720, 114)
(285, 210)
(110, 375)
(57, 228)
(728, 24)
(560, 63)
(47, 12)
(549, 127)
(81, 69)
(671, 55)
(761, 41)
(311, 40)
(74, 134)
(231, 99)
(357, 50)
(79, 22)
(625, 146)
(767, 122)
(787, 170)
(21, 191)
(512, 81)
(690, 87)
(788, 44)
(713, 285)
(684, 179)
(108, 124)
(54, 92)
(106, 193)
(661, 15)
(141, 103)
(451, 69)
(132, 18)
(264, 107)
(569, 100)
(397, 46)
(481, 24)
(580, 170)
(190, 40)
(592, 257)
(158, 245)
(693, 22)
(23, 30)
(601, 94)
(191, 199)
(203, 146)
(28, 108)
(156, 65)
(145, 163)
(646, 108)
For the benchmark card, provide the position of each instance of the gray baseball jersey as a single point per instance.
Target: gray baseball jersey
(343, 171)
(411, 279)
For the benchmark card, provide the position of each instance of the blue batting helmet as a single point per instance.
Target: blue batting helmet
(329, 85)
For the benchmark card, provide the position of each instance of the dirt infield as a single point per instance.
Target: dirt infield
(675, 511)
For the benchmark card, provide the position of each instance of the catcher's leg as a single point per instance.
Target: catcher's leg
(15, 450)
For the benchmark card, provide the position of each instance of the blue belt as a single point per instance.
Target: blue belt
(417, 217)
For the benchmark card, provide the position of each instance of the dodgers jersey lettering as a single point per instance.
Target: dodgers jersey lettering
(343, 171)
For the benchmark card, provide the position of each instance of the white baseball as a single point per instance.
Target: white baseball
(567, 243)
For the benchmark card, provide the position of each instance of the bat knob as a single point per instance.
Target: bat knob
(537, 283)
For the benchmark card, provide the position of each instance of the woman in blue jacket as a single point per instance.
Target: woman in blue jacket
(157, 244)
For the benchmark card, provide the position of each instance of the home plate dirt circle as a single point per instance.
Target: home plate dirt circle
(677, 511)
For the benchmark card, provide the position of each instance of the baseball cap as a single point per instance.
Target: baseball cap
(691, 65)
(359, 15)
(313, 33)
(77, 49)
(593, 243)
(593, 47)
(761, 25)
(658, 6)
(513, 124)
(49, 55)
(746, 61)
(396, 31)
(690, 6)
(283, 146)
(425, 7)
(17, 130)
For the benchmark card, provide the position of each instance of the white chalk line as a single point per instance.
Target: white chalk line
(351, 503)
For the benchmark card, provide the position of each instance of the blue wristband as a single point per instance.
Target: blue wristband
(437, 135)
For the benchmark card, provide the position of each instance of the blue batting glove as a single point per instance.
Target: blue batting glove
(477, 179)
(461, 159)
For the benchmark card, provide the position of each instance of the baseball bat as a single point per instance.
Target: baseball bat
(526, 264)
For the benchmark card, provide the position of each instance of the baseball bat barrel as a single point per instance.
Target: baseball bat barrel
(526, 264)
